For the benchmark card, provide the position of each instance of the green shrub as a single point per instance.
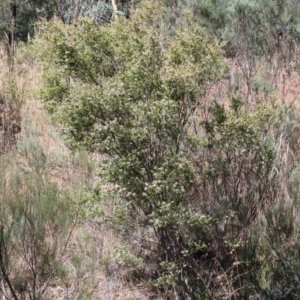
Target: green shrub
(190, 182)
(133, 93)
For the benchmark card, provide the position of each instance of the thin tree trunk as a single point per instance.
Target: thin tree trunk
(77, 10)
(59, 10)
(114, 5)
(11, 34)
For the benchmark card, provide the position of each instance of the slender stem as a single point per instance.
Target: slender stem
(3, 267)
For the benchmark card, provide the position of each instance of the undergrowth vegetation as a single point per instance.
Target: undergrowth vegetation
(171, 160)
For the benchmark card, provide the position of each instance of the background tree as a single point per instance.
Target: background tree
(20, 15)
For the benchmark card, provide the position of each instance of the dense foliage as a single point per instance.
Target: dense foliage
(258, 27)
